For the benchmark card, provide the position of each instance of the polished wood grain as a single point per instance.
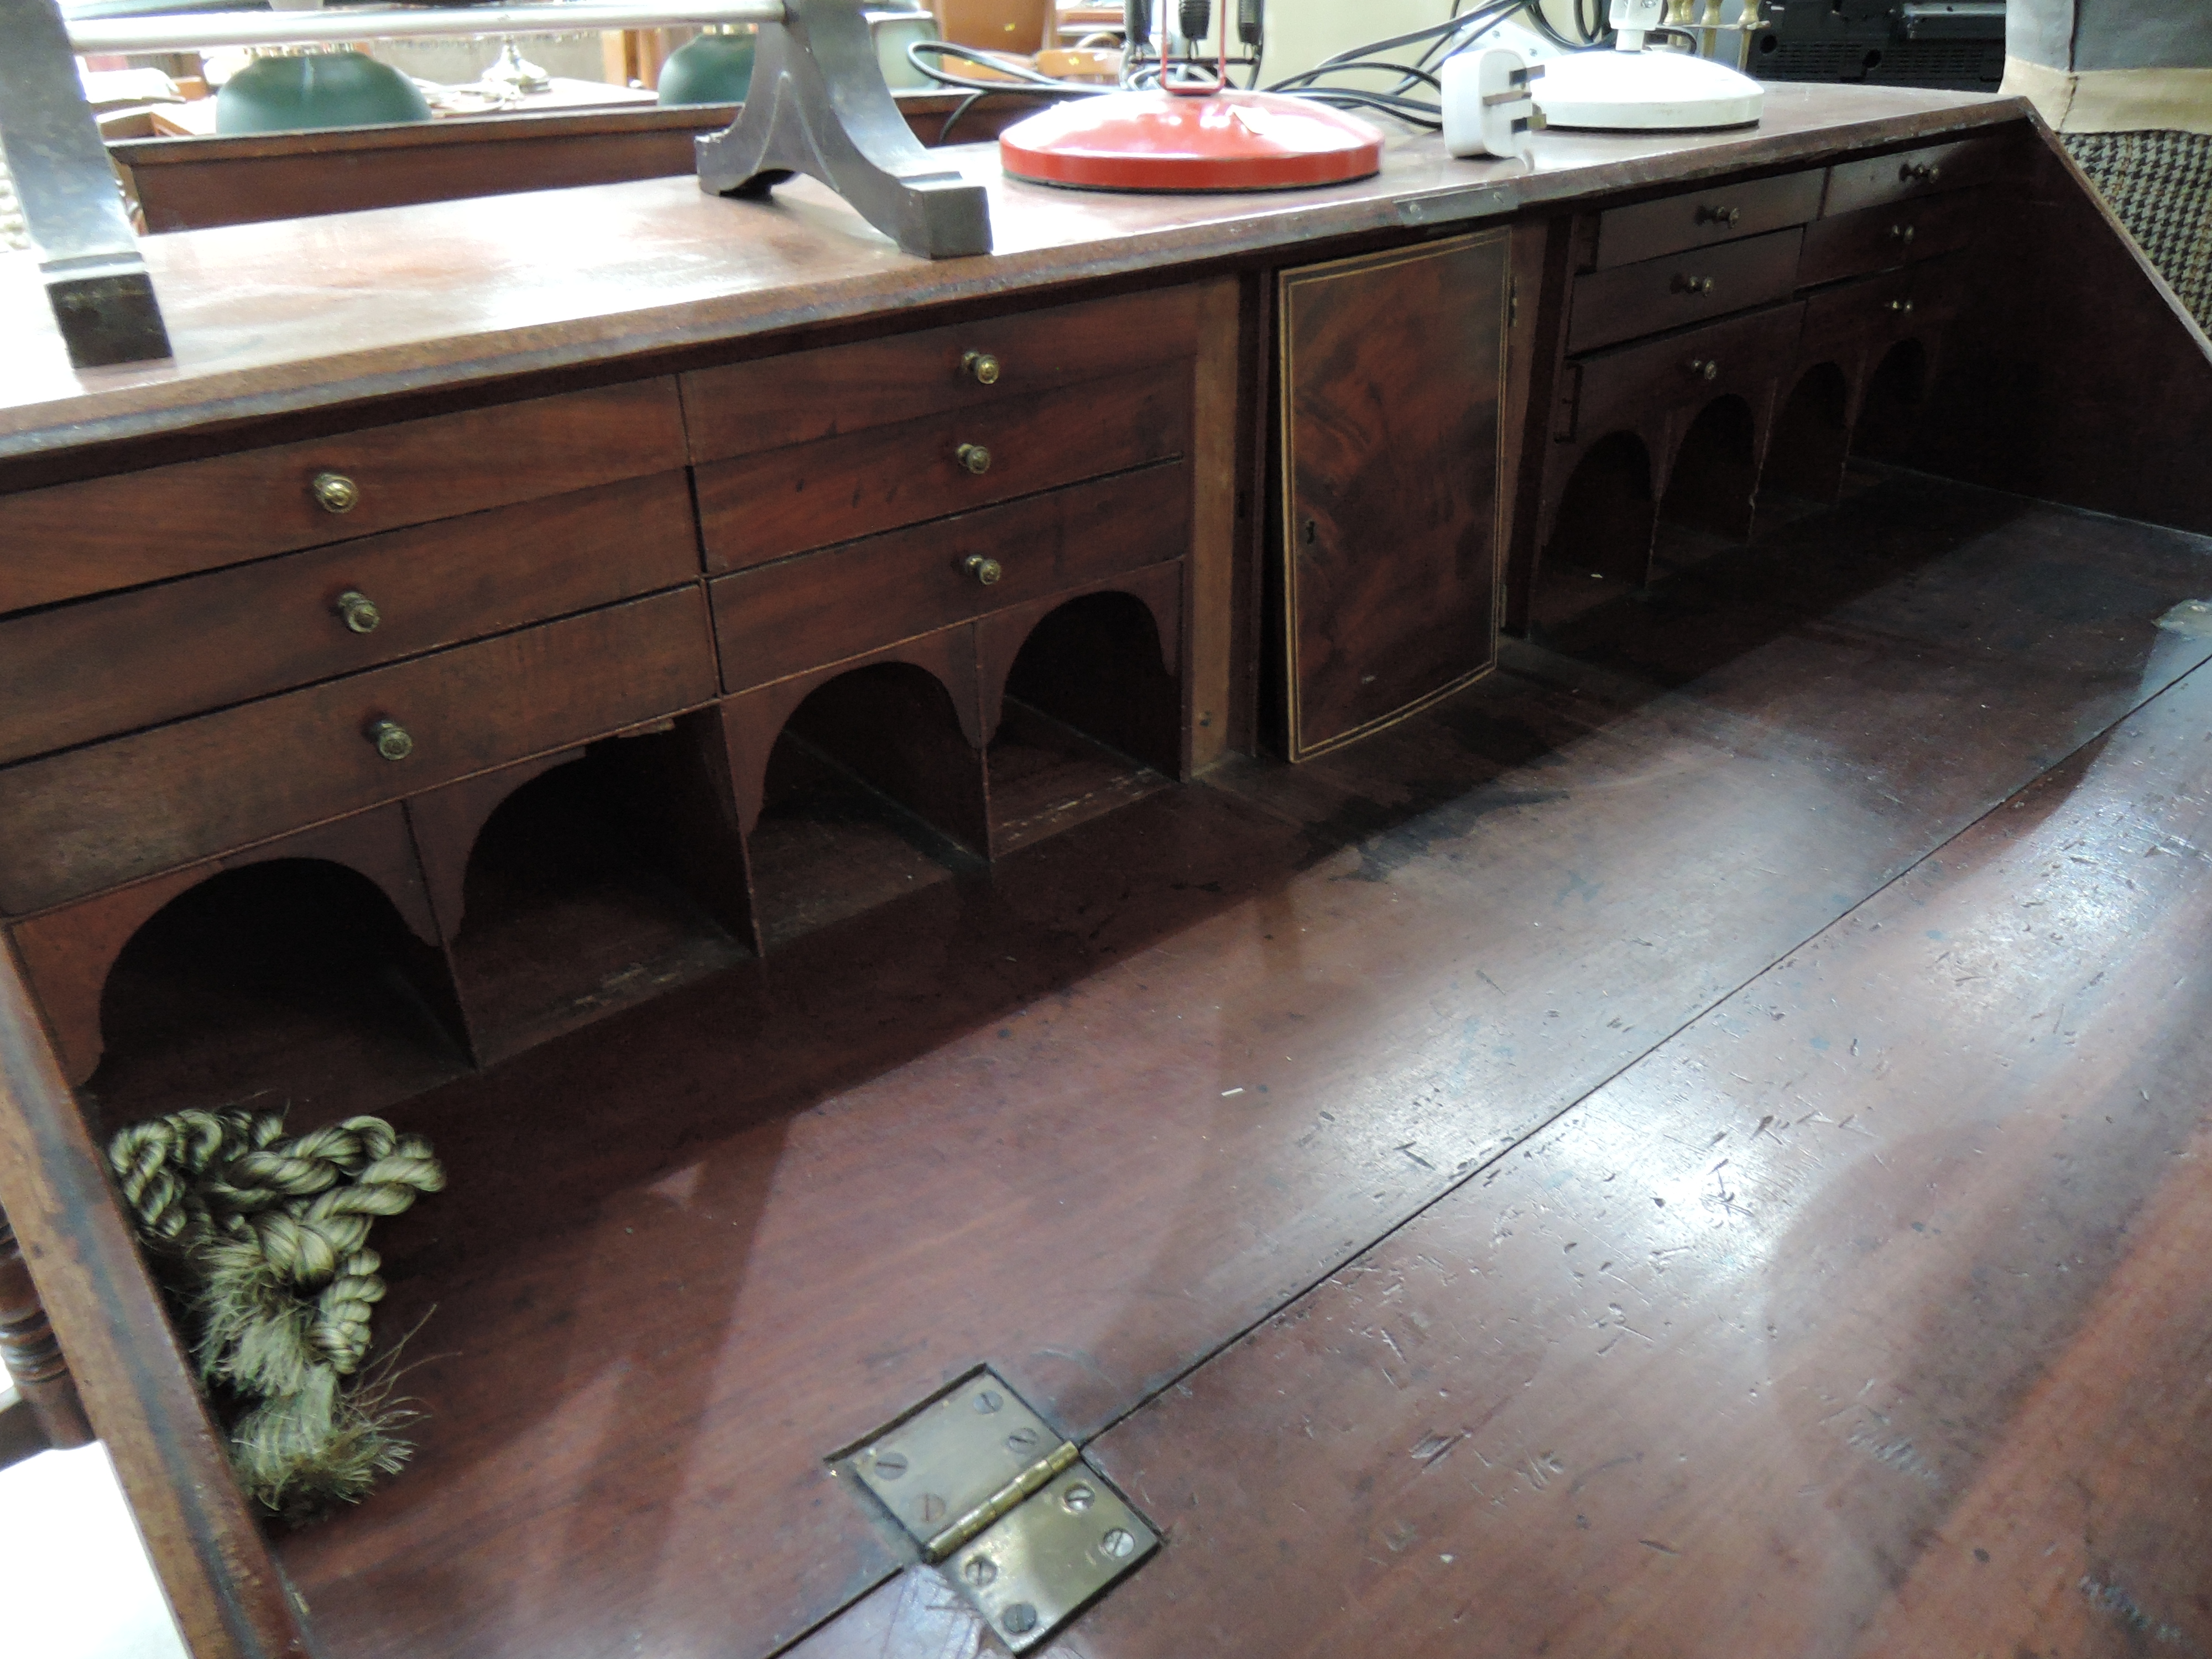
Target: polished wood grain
(196, 515)
(216, 1572)
(1681, 288)
(742, 409)
(1392, 379)
(75, 673)
(766, 505)
(330, 313)
(99, 816)
(1876, 238)
(1863, 1316)
(1701, 218)
(836, 1168)
(1904, 175)
(795, 615)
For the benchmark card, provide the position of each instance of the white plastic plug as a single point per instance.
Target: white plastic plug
(1487, 103)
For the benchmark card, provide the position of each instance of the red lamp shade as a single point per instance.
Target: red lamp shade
(1158, 141)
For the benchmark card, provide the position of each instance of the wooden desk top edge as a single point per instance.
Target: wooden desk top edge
(291, 316)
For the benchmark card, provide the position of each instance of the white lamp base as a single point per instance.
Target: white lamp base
(1645, 92)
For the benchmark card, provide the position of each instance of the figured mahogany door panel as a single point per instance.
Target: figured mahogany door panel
(1393, 369)
(1624, 387)
(105, 533)
(763, 506)
(797, 614)
(1881, 179)
(1611, 306)
(94, 818)
(773, 402)
(1879, 238)
(79, 672)
(1715, 213)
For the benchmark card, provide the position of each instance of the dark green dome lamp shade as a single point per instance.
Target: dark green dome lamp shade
(713, 69)
(317, 89)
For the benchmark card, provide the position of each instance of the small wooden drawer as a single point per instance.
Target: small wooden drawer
(1878, 238)
(1611, 306)
(1844, 319)
(79, 672)
(760, 507)
(1717, 213)
(799, 614)
(774, 402)
(1614, 389)
(95, 818)
(101, 534)
(1882, 180)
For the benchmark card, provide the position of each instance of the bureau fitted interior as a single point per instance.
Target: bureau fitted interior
(584, 776)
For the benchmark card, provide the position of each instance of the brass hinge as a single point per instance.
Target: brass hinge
(1007, 1509)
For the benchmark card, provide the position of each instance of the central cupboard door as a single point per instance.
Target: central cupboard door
(1393, 376)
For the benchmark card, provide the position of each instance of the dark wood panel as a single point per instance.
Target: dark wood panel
(1850, 1321)
(993, 1120)
(762, 507)
(1392, 372)
(1611, 306)
(83, 671)
(1630, 386)
(798, 614)
(1720, 212)
(742, 408)
(137, 527)
(1881, 179)
(96, 816)
(1875, 238)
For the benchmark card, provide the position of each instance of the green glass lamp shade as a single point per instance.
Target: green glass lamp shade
(321, 89)
(714, 69)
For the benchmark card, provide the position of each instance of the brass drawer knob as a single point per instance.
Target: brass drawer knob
(974, 457)
(1692, 284)
(1903, 233)
(1704, 368)
(986, 571)
(979, 366)
(1719, 216)
(336, 493)
(358, 612)
(1902, 307)
(392, 739)
(1925, 173)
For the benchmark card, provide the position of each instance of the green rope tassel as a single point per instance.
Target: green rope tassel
(271, 1237)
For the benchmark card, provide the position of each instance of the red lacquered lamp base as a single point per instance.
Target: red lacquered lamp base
(1158, 141)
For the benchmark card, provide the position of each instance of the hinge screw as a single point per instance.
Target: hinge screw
(890, 1465)
(1078, 1497)
(1023, 1440)
(1019, 1619)
(1117, 1543)
(988, 1400)
(979, 1570)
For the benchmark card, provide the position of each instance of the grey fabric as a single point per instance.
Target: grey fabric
(2079, 35)
(2160, 185)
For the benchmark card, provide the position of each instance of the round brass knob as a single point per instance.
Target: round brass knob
(1706, 369)
(1902, 307)
(1692, 284)
(358, 612)
(336, 493)
(392, 739)
(1925, 172)
(986, 571)
(981, 367)
(1719, 216)
(1902, 233)
(974, 457)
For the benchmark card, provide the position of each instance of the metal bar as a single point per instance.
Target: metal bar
(72, 206)
(192, 32)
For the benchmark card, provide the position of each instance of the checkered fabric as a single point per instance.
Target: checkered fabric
(2160, 185)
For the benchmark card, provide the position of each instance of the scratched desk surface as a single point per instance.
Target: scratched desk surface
(1696, 1146)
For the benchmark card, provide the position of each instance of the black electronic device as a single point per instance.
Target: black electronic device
(1954, 44)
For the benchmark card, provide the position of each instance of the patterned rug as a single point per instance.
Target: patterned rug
(2159, 184)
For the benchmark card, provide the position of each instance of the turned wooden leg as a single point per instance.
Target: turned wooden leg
(33, 1359)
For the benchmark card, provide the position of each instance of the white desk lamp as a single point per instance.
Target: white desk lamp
(1633, 89)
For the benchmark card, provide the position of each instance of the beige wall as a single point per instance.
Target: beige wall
(1301, 33)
